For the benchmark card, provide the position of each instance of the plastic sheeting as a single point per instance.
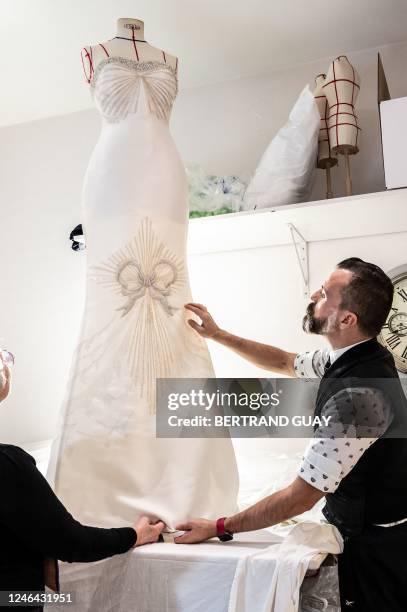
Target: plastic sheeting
(209, 194)
(286, 170)
(321, 591)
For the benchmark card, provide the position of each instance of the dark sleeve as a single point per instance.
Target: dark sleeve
(31, 510)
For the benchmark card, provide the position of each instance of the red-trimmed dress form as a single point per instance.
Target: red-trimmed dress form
(107, 464)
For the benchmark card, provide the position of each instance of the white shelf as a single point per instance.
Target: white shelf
(350, 217)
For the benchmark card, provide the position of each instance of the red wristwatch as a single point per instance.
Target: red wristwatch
(224, 536)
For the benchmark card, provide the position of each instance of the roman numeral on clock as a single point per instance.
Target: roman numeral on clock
(404, 353)
(393, 341)
(402, 293)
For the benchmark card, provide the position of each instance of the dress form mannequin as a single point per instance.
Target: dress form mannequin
(325, 158)
(341, 89)
(129, 43)
(107, 463)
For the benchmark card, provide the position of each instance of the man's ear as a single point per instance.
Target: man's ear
(348, 319)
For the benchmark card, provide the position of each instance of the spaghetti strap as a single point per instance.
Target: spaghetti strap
(104, 49)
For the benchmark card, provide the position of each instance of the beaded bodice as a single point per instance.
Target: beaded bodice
(121, 86)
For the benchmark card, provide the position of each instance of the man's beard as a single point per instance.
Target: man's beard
(312, 325)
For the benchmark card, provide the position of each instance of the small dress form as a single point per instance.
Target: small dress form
(107, 464)
(325, 159)
(341, 89)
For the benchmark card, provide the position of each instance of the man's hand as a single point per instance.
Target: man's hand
(208, 327)
(147, 531)
(196, 530)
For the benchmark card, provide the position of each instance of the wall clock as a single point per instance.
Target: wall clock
(394, 332)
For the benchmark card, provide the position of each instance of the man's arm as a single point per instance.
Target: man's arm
(291, 501)
(295, 499)
(330, 456)
(262, 355)
(328, 459)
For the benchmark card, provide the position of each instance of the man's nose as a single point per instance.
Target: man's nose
(314, 297)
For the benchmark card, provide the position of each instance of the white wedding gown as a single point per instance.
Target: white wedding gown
(106, 464)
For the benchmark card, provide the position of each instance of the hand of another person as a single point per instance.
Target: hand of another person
(5, 378)
(196, 530)
(208, 327)
(147, 531)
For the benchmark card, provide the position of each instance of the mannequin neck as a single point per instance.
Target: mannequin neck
(130, 28)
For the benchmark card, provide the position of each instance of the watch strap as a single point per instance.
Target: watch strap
(223, 535)
(220, 526)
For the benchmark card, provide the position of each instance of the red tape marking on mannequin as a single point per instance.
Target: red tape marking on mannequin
(83, 66)
(341, 104)
(326, 127)
(324, 121)
(354, 84)
(342, 113)
(335, 80)
(104, 49)
(337, 100)
(353, 93)
(134, 43)
(89, 58)
(344, 123)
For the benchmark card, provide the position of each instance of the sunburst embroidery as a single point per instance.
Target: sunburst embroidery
(147, 275)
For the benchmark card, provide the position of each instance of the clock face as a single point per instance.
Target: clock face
(394, 333)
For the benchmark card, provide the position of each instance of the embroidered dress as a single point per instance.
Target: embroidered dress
(107, 465)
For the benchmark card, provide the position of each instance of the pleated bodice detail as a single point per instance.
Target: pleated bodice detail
(121, 86)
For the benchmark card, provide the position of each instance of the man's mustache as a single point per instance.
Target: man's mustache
(308, 321)
(310, 309)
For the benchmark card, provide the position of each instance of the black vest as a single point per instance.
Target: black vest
(375, 490)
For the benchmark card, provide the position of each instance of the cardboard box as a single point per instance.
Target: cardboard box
(393, 125)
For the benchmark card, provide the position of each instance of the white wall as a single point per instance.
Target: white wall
(42, 280)
(225, 128)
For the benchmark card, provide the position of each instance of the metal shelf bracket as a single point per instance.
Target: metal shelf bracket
(301, 251)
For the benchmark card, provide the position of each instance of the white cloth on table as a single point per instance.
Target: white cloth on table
(165, 577)
(270, 580)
